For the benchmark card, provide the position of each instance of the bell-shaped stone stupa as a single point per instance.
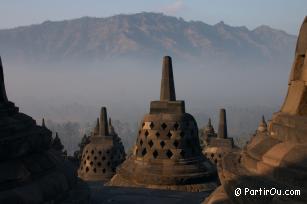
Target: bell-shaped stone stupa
(103, 154)
(167, 153)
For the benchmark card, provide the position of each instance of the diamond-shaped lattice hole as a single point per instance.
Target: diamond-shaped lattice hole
(108, 151)
(169, 154)
(150, 143)
(146, 133)
(176, 126)
(157, 134)
(143, 124)
(164, 126)
(155, 154)
(176, 143)
(141, 142)
(103, 170)
(99, 163)
(162, 143)
(151, 125)
(181, 134)
(103, 158)
(144, 152)
(182, 153)
(94, 170)
(169, 134)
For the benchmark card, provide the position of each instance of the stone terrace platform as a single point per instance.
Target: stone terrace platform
(127, 195)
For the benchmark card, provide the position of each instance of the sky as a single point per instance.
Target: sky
(286, 15)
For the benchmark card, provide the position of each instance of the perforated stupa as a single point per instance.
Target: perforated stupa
(167, 153)
(104, 152)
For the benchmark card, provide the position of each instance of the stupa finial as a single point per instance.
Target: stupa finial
(209, 123)
(110, 121)
(3, 96)
(43, 123)
(301, 45)
(167, 92)
(103, 128)
(222, 131)
(263, 119)
(263, 125)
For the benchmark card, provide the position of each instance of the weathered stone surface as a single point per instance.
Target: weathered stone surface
(301, 46)
(275, 157)
(167, 153)
(30, 171)
(103, 154)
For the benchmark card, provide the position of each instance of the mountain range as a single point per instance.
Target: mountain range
(144, 36)
(249, 87)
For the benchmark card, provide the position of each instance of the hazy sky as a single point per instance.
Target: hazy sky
(283, 14)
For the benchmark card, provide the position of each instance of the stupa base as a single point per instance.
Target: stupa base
(118, 180)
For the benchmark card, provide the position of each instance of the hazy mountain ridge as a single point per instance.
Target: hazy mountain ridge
(70, 99)
(143, 35)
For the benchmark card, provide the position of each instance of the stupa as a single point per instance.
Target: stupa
(218, 146)
(263, 127)
(30, 171)
(167, 153)
(207, 133)
(276, 157)
(103, 154)
(261, 131)
(57, 143)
